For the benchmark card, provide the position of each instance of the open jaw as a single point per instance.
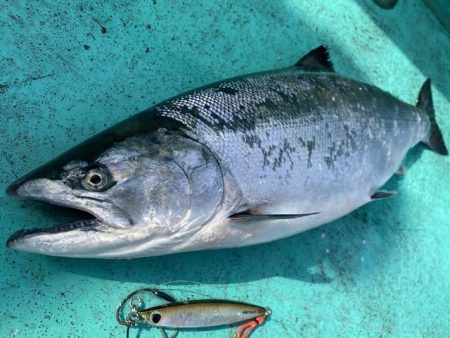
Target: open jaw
(17, 239)
(87, 237)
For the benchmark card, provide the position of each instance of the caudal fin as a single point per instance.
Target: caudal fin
(434, 140)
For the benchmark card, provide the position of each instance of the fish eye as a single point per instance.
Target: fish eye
(155, 317)
(97, 179)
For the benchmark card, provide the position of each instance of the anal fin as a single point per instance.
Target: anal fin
(382, 194)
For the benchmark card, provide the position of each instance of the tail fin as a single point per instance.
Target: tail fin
(434, 140)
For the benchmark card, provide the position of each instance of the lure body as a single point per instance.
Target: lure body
(202, 314)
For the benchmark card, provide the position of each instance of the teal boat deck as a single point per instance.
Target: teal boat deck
(70, 69)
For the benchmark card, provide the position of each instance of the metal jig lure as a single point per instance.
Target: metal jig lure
(199, 313)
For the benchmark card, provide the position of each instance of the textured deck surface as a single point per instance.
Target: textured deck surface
(70, 69)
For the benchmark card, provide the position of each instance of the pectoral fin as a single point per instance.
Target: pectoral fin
(258, 217)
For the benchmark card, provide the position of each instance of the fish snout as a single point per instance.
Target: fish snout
(13, 190)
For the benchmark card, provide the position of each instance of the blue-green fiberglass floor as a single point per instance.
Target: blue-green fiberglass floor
(70, 69)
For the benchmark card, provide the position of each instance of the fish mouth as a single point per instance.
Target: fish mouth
(23, 234)
(104, 216)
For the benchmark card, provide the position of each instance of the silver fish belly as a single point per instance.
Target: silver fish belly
(244, 161)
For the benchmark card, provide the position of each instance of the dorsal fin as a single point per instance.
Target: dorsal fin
(318, 59)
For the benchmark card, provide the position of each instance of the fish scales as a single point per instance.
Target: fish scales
(296, 127)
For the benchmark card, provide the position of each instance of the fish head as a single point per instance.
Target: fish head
(146, 195)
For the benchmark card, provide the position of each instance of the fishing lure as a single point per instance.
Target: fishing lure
(200, 313)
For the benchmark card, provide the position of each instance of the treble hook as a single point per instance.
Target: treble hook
(135, 304)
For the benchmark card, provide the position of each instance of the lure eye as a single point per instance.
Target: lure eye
(97, 179)
(155, 317)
